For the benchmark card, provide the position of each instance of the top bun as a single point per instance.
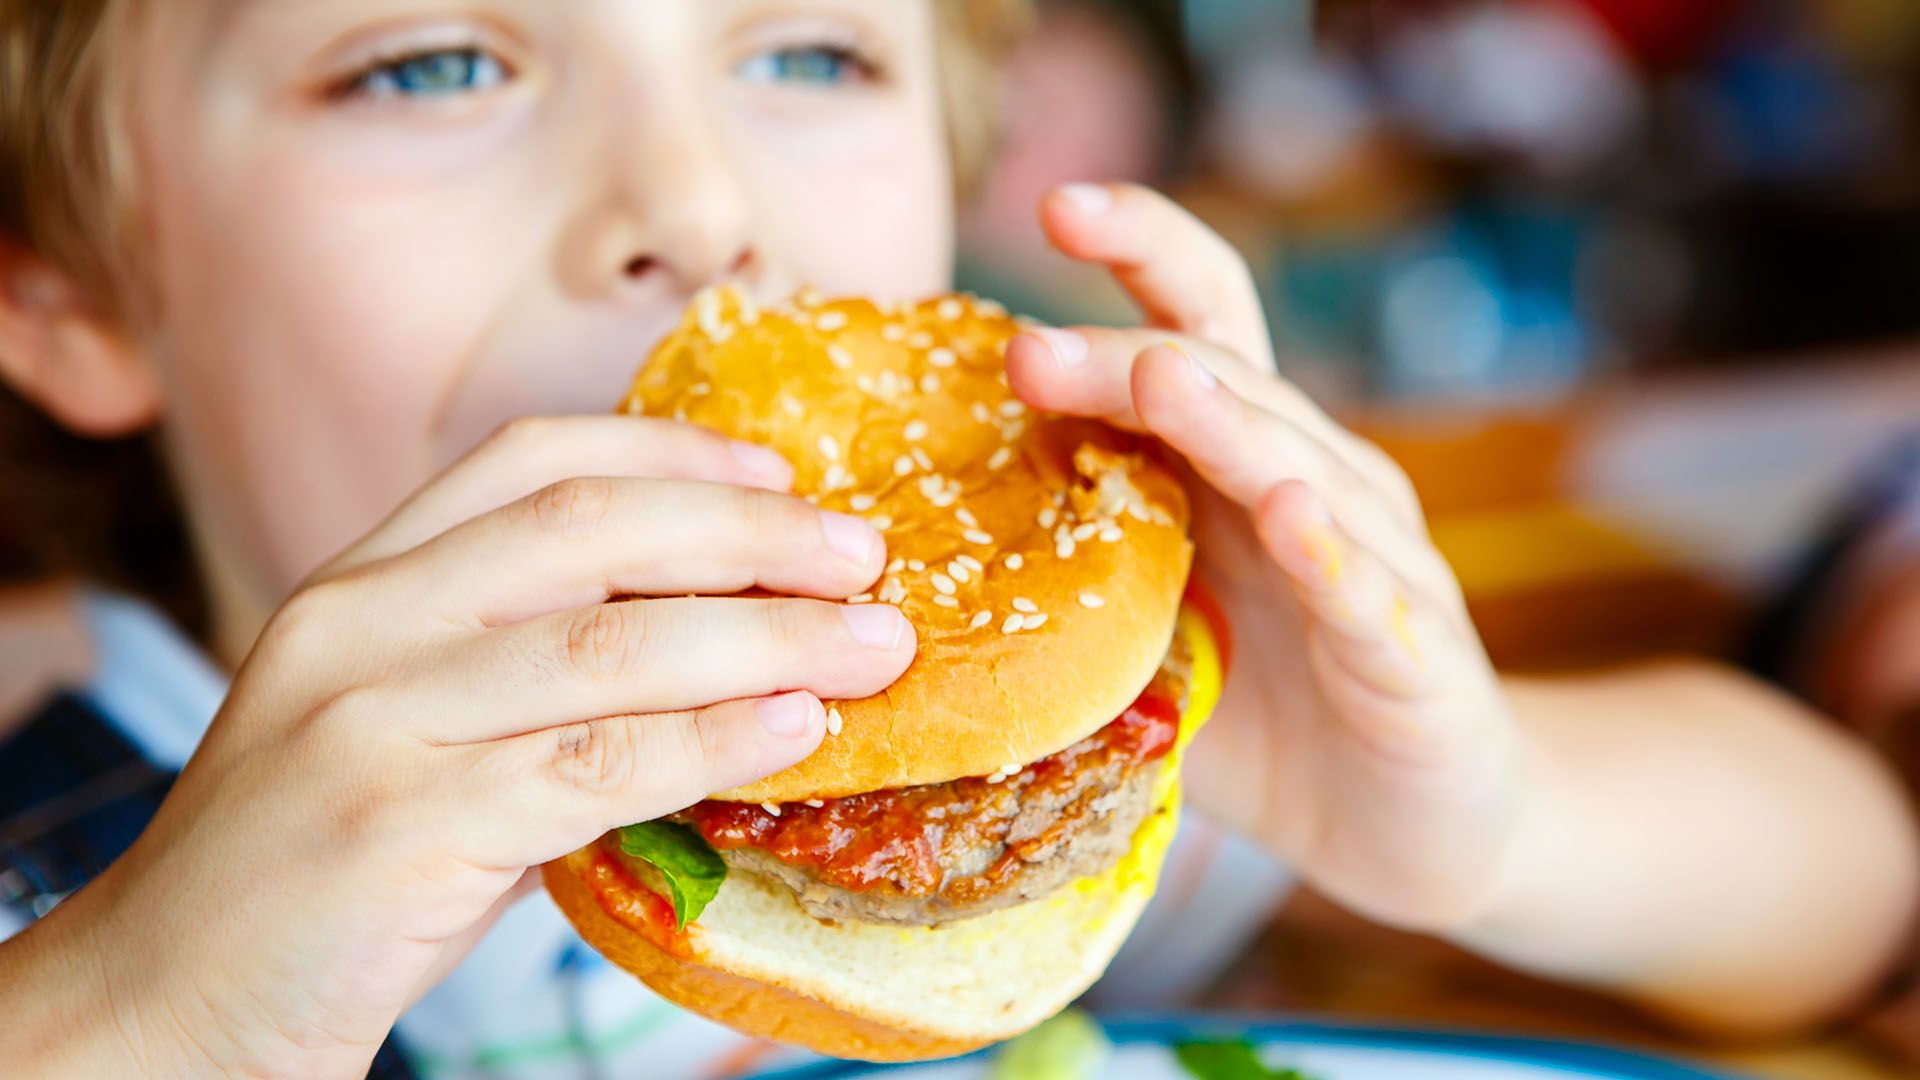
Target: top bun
(1041, 559)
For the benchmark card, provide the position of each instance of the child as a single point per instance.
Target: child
(326, 248)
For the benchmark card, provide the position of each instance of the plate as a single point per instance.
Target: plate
(1143, 1050)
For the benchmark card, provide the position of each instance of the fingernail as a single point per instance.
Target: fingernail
(1087, 198)
(849, 537)
(789, 715)
(763, 462)
(877, 626)
(1069, 349)
(1201, 376)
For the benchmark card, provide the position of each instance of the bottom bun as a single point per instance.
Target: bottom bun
(755, 961)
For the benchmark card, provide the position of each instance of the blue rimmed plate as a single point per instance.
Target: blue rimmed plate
(1143, 1050)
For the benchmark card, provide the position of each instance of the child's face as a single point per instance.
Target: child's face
(364, 262)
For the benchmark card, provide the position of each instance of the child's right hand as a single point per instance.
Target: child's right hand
(453, 701)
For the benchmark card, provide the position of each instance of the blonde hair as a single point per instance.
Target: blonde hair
(103, 510)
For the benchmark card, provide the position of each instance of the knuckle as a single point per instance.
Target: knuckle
(311, 618)
(600, 757)
(575, 505)
(606, 640)
(790, 624)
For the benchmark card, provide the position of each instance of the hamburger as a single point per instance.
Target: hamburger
(965, 852)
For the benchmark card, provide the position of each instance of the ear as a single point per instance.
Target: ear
(59, 352)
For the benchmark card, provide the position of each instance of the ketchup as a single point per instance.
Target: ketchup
(893, 839)
(635, 906)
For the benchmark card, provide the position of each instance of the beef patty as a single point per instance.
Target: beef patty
(938, 853)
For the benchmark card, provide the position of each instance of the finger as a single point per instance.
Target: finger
(1183, 275)
(456, 948)
(1361, 615)
(645, 656)
(529, 454)
(549, 792)
(582, 541)
(1244, 451)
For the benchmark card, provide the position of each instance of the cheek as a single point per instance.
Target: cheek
(311, 336)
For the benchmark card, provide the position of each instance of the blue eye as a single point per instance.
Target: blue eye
(820, 65)
(438, 73)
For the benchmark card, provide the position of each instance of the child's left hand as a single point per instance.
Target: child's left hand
(1362, 734)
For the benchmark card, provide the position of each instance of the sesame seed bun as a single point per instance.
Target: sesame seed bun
(755, 961)
(1041, 559)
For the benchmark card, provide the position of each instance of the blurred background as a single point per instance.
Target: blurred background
(1628, 285)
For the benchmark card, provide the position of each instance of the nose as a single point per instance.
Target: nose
(668, 204)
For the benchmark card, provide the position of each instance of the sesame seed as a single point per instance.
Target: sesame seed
(920, 339)
(948, 309)
(1012, 408)
(1048, 515)
(980, 619)
(941, 358)
(995, 778)
(792, 408)
(902, 465)
(1016, 560)
(1064, 549)
(866, 384)
(929, 383)
(917, 566)
(1084, 532)
(893, 332)
(1013, 624)
(946, 601)
(862, 503)
(883, 522)
(837, 478)
(892, 592)
(976, 536)
(930, 486)
(1060, 498)
(944, 583)
(942, 500)
(700, 389)
(815, 803)
(896, 566)
(915, 430)
(834, 721)
(860, 598)
(721, 334)
(981, 412)
(771, 808)
(829, 449)
(1024, 606)
(970, 563)
(1035, 622)
(1010, 769)
(1138, 513)
(1012, 430)
(807, 297)
(965, 517)
(921, 459)
(831, 320)
(1092, 600)
(841, 358)
(1110, 534)
(959, 572)
(1000, 458)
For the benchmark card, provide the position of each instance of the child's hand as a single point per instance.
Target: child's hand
(1362, 733)
(452, 702)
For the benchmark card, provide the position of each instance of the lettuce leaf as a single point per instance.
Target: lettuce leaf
(1229, 1059)
(689, 865)
(1070, 1046)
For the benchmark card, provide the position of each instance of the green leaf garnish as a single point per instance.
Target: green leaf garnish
(689, 865)
(1229, 1059)
(1070, 1046)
